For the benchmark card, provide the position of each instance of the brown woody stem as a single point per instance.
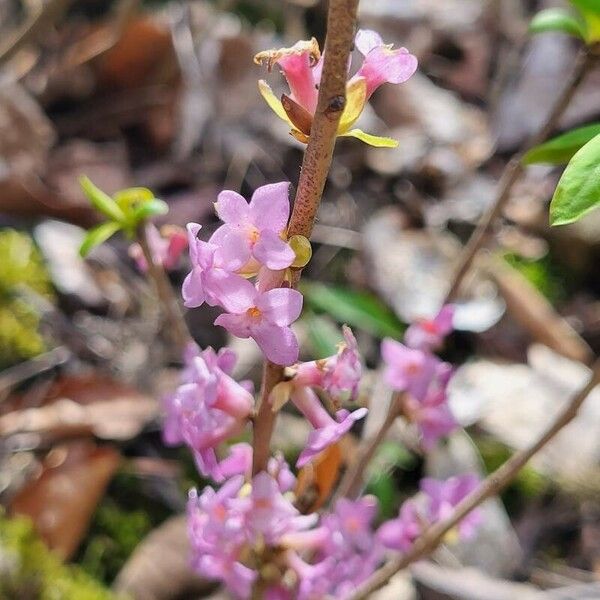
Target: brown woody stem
(341, 21)
(513, 171)
(178, 330)
(494, 483)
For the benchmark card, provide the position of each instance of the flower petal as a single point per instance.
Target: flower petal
(372, 140)
(236, 324)
(273, 101)
(232, 208)
(279, 344)
(270, 206)
(192, 290)
(272, 251)
(281, 306)
(233, 250)
(356, 96)
(366, 40)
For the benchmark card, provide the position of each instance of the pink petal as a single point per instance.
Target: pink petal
(279, 344)
(383, 65)
(192, 233)
(366, 40)
(272, 251)
(234, 293)
(233, 250)
(299, 75)
(281, 306)
(232, 208)
(236, 324)
(192, 290)
(270, 206)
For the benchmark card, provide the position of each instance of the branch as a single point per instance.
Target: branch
(514, 169)
(494, 483)
(178, 329)
(341, 21)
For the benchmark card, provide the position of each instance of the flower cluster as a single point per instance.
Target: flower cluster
(302, 65)
(245, 528)
(338, 376)
(436, 502)
(423, 378)
(208, 408)
(251, 241)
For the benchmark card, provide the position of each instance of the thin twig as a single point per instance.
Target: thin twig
(341, 21)
(493, 484)
(178, 329)
(515, 168)
(352, 482)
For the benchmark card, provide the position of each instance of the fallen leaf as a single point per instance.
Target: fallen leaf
(62, 500)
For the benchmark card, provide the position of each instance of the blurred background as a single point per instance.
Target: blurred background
(164, 95)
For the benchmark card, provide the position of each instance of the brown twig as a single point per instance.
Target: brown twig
(177, 326)
(341, 21)
(493, 484)
(515, 168)
(351, 483)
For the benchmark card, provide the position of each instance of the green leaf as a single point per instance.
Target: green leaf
(102, 201)
(578, 190)
(561, 149)
(556, 19)
(592, 6)
(132, 197)
(372, 140)
(590, 11)
(357, 309)
(97, 236)
(149, 209)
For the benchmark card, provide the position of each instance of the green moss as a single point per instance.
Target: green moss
(21, 270)
(28, 571)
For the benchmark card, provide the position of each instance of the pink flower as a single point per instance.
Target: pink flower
(261, 223)
(266, 317)
(408, 369)
(400, 533)
(302, 65)
(166, 247)
(432, 416)
(382, 64)
(327, 430)
(338, 375)
(443, 496)
(212, 278)
(428, 334)
(208, 408)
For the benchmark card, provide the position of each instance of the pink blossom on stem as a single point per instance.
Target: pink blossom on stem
(339, 375)
(382, 64)
(327, 430)
(261, 223)
(213, 277)
(266, 317)
(400, 533)
(432, 416)
(429, 334)
(166, 247)
(443, 496)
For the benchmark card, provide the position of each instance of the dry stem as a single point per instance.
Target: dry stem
(178, 329)
(494, 483)
(341, 22)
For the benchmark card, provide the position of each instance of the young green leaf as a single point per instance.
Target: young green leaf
(592, 6)
(559, 150)
(97, 236)
(590, 11)
(578, 190)
(361, 310)
(102, 201)
(556, 19)
(132, 197)
(148, 209)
